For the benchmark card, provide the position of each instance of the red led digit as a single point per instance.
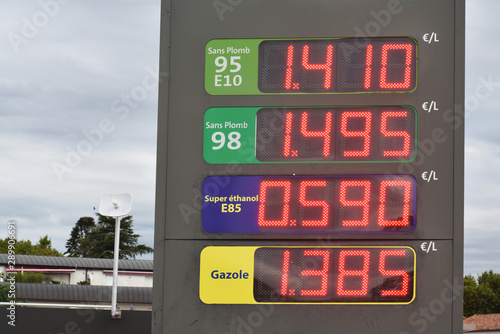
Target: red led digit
(407, 69)
(326, 134)
(288, 136)
(307, 203)
(405, 151)
(323, 273)
(284, 278)
(264, 186)
(368, 70)
(391, 273)
(363, 273)
(289, 63)
(364, 203)
(363, 134)
(405, 214)
(326, 66)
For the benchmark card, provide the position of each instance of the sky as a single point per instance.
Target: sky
(482, 137)
(78, 109)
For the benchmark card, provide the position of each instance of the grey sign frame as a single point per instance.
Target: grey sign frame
(186, 27)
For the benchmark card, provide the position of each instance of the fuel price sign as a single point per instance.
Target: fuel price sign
(336, 65)
(322, 204)
(309, 168)
(307, 275)
(310, 134)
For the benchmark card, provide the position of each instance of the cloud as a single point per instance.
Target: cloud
(55, 91)
(482, 155)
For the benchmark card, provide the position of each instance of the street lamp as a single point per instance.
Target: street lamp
(115, 205)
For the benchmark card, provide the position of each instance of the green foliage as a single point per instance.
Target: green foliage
(21, 246)
(44, 247)
(482, 296)
(78, 243)
(89, 239)
(471, 301)
(25, 247)
(83, 283)
(4, 289)
(4, 292)
(32, 278)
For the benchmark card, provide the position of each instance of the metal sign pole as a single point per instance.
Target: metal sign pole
(115, 205)
(114, 312)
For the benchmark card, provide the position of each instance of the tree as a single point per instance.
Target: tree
(97, 240)
(44, 247)
(25, 247)
(4, 292)
(471, 302)
(482, 296)
(78, 243)
(4, 289)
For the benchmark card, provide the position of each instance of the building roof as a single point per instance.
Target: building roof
(81, 293)
(484, 322)
(77, 262)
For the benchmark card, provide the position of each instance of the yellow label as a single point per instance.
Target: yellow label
(226, 275)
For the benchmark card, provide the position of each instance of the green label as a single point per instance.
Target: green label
(229, 135)
(231, 66)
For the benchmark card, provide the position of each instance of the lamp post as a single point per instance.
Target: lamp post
(115, 205)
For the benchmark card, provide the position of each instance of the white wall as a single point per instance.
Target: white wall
(125, 279)
(98, 277)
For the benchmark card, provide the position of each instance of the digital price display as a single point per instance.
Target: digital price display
(334, 274)
(337, 65)
(312, 66)
(322, 204)
(310, 134)
(328, 134)
(312, 275)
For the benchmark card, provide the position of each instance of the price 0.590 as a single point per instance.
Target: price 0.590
(376, 203)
